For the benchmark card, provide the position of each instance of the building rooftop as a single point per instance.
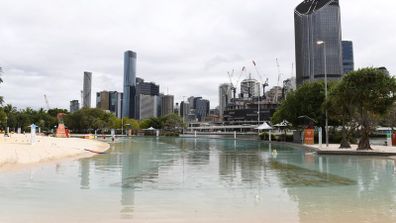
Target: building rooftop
(308, 7)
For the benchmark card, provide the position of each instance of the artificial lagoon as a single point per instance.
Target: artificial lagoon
(202, 180)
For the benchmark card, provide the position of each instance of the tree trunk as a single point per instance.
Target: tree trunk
(364, 142)
(345, 137)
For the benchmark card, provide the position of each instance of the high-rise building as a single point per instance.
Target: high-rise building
(148, 106)
(74, 106)
(148, 101)
(202, 108)
(225, 96)
(347, 56)
(318, 20)
(103, 100)
(129, 96)
(184, 110)
(120, 96)
(250, 88)
(110, 101)
(167, 102)
(87, 88)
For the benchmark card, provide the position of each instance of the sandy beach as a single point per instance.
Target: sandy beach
(18, 150)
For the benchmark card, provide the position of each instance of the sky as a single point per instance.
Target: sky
(187, 47)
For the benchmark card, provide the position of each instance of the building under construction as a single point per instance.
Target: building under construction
(253, 104)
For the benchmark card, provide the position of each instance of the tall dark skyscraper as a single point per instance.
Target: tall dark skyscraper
(347, 56)
(87, 88)
(318, 20)
(129, 96)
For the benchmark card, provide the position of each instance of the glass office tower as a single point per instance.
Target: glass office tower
(347, 56)
(318, 20)
(129, 96)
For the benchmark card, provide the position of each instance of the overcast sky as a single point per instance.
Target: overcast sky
(186, 47)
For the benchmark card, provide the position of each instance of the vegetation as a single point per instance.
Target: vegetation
(359, 101)
(363, 97)
(86, 120)
(1, 81)
(307, 100)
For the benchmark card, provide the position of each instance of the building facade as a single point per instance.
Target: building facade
(347, 57)
(318, 20)
(110, 101)
(148, 106)
(148, 101)
(87, 88)
(202, 108)
(129, 96)
(103, 100)
(167, 104)
(225, 96)
(74, 106)
(250, 88)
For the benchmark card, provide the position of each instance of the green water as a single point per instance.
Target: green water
(202, 180)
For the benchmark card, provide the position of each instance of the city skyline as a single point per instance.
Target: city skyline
(184, 47)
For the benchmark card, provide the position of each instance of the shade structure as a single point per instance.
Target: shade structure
(264, 126)
(284, 123)
(150, 129)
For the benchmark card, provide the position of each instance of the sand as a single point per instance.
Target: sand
(18, 150)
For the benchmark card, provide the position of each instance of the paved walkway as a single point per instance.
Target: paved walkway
(334, 149)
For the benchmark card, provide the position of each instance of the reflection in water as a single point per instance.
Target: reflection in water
(85, 167)
(207, 180)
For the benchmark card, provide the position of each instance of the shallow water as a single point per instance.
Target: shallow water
(202, 180)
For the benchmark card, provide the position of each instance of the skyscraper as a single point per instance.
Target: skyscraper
(347, 56)
(148, 102)
(167, 102)
(129, 97)
(74, 106)
(318, 20)
(109, 101)
(103, 100)
(87, 88)
(225, 96)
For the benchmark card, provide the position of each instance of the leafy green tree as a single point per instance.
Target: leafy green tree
(154, 122)
(307, 100)
(172, 122)
(369, 93)
(88, 119)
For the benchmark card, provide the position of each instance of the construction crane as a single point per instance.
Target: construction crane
(278, 83)
(46, 102)
(264, 83)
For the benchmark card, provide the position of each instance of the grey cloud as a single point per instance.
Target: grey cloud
(185, 46)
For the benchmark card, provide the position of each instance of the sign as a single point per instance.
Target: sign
(309, 136)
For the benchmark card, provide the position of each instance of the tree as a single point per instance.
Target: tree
(1, 81)
(306, 100)
(341, 109)
(369, 93)
(172, 122)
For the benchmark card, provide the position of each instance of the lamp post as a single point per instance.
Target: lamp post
(321, 42)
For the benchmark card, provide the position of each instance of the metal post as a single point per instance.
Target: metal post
(269, 135)
(320, 137)
(325, 75)
(122, 125)
(235, 135)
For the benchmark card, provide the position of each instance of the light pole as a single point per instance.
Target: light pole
(321, 42)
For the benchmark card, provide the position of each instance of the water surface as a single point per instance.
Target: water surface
(202, 180)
